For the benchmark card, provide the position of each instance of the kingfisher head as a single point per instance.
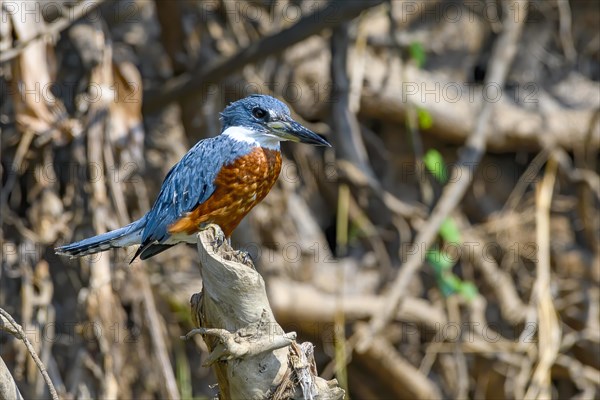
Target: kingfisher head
(265, 121)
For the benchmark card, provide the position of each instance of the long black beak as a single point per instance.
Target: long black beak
(295, 132)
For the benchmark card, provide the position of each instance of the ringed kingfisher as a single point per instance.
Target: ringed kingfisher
(219, 180)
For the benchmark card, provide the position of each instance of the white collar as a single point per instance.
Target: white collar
(252, 137)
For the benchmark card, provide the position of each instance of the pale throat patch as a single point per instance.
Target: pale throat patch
(255, 138)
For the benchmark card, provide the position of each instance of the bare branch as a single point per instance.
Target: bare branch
(79, 11)
(21, 335)
(333, 14)
(502, 57)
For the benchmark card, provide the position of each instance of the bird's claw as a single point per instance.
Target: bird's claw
(219, 241)
(244, 256)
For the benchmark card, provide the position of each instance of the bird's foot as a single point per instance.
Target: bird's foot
(219, 241)
(244, 256)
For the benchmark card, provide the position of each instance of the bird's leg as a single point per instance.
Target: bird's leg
(241, 254)
(244, 255)
(219, 240)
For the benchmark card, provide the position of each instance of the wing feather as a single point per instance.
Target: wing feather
(189, 183)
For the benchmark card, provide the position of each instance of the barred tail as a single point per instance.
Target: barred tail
(127, 236)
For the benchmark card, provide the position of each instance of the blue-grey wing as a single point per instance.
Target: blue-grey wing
(189, 183)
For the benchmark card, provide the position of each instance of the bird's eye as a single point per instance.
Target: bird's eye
(259, 113)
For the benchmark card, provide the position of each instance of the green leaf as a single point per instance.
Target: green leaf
(440, 261)
(435, 164)
(449, 231)
(468, 290)
(417, 53)
(448, 282)
(425, 119)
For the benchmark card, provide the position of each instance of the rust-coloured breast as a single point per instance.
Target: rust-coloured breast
(239, 187)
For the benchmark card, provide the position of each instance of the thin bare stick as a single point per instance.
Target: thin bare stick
(79, 11)
(158, 340)
(331, 15)
(346, 136)
(549, 330)
(21, 335)
(503, 54)
(566, 36)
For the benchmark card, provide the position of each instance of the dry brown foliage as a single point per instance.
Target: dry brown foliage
(99, 99)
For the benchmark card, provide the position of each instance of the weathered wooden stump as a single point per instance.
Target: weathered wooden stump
(253, 358)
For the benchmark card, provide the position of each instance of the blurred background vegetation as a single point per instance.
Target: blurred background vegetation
(100, 98)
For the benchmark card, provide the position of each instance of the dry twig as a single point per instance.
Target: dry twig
(79, 11)
(21, 335)
(503, 54)
(158, 340)
(549, 330)
(334, 13)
